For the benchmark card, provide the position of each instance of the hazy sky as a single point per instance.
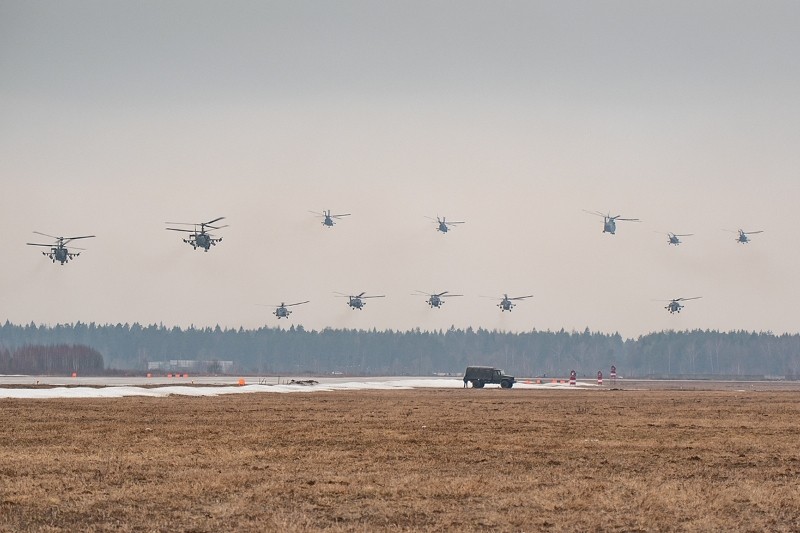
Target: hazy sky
(513, 116)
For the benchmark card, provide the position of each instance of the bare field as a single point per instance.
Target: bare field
(416, 460)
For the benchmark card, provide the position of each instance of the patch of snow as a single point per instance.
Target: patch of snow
(122, 391)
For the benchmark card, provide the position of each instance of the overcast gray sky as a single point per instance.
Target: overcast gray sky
(512, 116)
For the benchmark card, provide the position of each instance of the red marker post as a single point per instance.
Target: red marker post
(599, 377)
(573, 376)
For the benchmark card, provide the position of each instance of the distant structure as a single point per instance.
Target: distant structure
(193, 365)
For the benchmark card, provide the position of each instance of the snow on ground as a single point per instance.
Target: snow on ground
(120, 391)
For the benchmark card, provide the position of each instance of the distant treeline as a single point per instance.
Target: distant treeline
(415, 352)
(58, 359)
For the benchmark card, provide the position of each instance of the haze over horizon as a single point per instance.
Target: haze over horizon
(513, 117)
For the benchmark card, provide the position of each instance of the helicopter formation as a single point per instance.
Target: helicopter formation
(199, 236)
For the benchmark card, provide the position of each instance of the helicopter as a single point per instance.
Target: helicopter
(58, 251)
(507, 304)
(743, 235)
(328, 218)
(437, 300)
(443, 225)
(200, 239)
(609, 222)
(673, 238)
(281, 311)
(357, 302)
(674, 306)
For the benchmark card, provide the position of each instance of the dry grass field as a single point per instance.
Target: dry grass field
(415, 460)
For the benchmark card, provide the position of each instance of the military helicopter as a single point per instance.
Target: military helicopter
(609, 222)
(58, 251)
(673, 238)
(328, 218)
(506, 303)
(357, 302)
(200, 239)
(674, 306)
(281, 311)
(437, 300)
(443, 225)
(743, 235)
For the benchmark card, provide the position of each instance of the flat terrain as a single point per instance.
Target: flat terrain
(417, 460)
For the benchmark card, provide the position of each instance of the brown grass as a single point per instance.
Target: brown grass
(419, 460)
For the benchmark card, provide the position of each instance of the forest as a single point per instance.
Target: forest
(275, 351)
(50, 360)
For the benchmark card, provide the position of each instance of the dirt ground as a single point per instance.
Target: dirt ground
(412, 460)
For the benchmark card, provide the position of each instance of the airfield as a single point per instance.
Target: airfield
(50, 387)
(398, 454)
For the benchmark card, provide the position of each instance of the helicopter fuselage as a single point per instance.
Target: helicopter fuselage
(435, 301)
(609, 225)
(674, 307)
(60, 254)
(356, 303)
(202, 240)
(506, 305)
(282, 312)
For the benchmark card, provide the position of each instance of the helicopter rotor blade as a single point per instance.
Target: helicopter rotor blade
(212, 221)
(687, 299)
(46, 235)
(298, 303)
(67, 239)
(752, 232)
(37, 244)
(595, 213)
(521, 297)
(376, 296)
(180, 229)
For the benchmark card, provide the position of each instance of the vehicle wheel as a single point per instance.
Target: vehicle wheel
(477, 384)
(506, 384)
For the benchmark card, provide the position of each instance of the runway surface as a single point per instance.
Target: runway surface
(50, 387)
